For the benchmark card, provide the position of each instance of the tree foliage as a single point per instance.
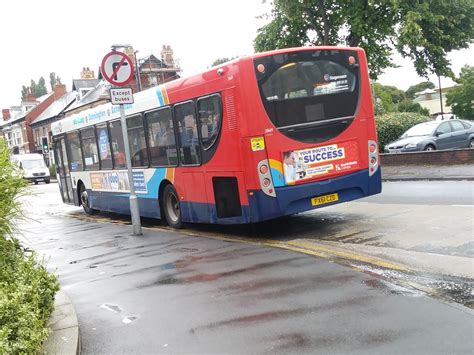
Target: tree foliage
(461, 97)
(424, 31)
(220, 61)
(37, 89)
(391, 99)
(412, 90)
(53, 80)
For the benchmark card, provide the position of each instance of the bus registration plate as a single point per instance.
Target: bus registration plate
(322, 200)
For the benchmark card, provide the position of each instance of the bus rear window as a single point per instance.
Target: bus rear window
(310, 96)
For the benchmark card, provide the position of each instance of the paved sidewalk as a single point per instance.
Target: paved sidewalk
(64, 336)
(428, 172)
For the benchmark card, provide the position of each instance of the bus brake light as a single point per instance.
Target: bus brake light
(373, 158)
(265, 178)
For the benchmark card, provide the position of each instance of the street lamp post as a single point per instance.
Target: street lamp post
(440, 95)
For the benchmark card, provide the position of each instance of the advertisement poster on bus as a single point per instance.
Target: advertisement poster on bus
(309, 163)
(118, 182)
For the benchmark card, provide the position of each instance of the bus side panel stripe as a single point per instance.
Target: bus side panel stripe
(276, 169)
(165, 95)
(160, 97)
(170, 174)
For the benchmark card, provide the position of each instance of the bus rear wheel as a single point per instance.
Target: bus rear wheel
(84, 196)
(171, 207)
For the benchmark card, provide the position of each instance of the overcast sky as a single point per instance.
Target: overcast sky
(39, 37)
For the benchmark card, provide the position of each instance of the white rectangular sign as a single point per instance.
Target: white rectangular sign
(120, 96)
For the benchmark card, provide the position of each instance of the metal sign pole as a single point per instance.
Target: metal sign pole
(134, 210)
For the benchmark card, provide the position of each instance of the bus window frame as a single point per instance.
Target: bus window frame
(221, 123)
(145, 131)
(193, 102)
(96, 144)
(178, 158)
(110, 143)
(106, 124)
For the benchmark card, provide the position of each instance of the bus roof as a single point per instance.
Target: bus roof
(156, 97)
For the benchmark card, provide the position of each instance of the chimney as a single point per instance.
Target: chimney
(6, 114)
(59, 90)
(86, 73)
(30, 97)
(167, 55)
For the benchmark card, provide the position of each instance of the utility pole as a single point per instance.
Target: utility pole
(440, 95)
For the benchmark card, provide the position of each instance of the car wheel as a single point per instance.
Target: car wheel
(47, 181)
(35, 182)
(171, 207)
(430, 147)
(85, 201)
(471, 144)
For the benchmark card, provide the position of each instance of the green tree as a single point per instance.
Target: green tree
(220, 61)
(412, 90)
(408, 105)
(24, 92)
(53, 80)
(424, 31)
(461, 97)
(37, 89)
(387, 97)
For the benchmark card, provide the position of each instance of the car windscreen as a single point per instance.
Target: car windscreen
(424, 129)
(309, 96)
(33, 164)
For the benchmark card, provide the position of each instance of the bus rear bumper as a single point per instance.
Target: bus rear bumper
(297, 198)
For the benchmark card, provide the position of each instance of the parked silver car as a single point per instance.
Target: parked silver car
(434, 135)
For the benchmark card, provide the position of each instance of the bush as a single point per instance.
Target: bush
(26, 299)
(26, 288)
(391, 126)
(52, 171)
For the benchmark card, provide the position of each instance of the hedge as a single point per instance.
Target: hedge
(27, 290)
(391, 126)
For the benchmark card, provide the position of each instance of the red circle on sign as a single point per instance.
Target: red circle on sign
(110, 76)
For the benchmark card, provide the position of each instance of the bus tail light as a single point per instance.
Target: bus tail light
(373, 158)
(265, 178)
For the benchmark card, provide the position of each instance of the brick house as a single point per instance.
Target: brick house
(17, 120)
(41, 126)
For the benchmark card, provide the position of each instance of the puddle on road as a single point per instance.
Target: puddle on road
(128, 320)
(111, 307)
(453, 289)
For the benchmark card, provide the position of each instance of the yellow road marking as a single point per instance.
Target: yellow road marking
(317, 250)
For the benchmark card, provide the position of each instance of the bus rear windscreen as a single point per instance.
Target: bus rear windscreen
(310, 96)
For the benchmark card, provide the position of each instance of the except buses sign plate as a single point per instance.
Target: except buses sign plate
(120, 96)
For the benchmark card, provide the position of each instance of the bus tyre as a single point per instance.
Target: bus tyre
(85, 201)
(171, 207)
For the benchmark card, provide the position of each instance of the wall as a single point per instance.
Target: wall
(437, 157)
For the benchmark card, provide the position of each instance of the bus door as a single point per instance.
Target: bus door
(65, 183)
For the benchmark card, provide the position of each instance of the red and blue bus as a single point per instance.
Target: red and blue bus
(263, 136)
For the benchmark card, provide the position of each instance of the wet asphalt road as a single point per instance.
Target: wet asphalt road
(170, 292)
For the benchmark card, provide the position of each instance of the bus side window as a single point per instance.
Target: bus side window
(210, 119)
(161, 137)
(118, 148)
(75, 151)
(89, 146)
(136, 141)
(187, 134)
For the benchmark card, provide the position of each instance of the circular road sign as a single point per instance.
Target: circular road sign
(117, 68)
